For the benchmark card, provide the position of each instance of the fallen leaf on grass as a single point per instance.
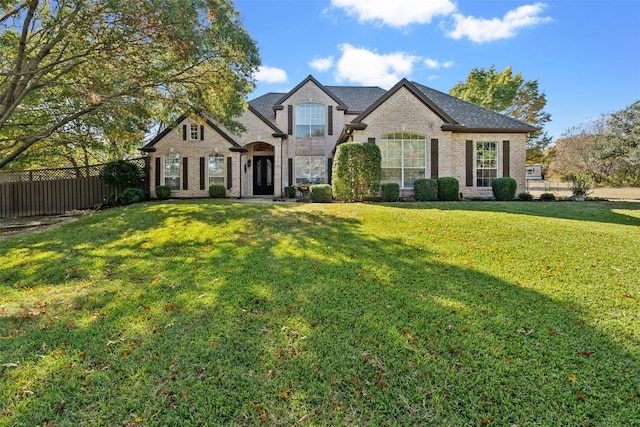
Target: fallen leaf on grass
(484, 421)
(572, 378)
(552, 332)
(581, 396)
(586, 353)
(285, 393)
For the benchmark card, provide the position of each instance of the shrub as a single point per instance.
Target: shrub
(390, 192)
(217, 191)
(290, 192)
(425, 190)
(448, 188)
(121, 173)
(320, 193)
(580, 185)
(548, 197)
(504, 188)
(527, 197)
(356, 171)
(163, 192)
(131, 195)
(110, 199)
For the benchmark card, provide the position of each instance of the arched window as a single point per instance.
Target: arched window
(172, 171)
(310, 120)
(404, 158)
(216, 169)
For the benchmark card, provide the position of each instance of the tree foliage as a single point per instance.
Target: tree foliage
(512, 96)
(356, 171)
(71, 64)
(606, 149)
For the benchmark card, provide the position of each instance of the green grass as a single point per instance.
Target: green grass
(218, 313)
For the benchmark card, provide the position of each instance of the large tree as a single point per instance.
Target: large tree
(606, 148)
(63, 62)
(511, 95)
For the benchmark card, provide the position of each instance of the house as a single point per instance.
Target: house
(291, 138)
(534, 171)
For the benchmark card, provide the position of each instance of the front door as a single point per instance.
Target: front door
(263, 175)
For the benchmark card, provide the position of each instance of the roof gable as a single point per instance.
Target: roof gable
(310, 79)
(404, 83)
(150, 146)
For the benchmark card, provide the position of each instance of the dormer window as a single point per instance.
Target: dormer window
(310, 120)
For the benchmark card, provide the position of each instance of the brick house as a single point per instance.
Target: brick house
(291, 138)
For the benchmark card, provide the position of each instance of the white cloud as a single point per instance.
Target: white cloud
(322, 64)
(369, 68)
(267, 74)
(435, 64)
(482, 30)
(397, 13)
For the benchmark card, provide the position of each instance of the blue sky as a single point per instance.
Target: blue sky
(584, 53)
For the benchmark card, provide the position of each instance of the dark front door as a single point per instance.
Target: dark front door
(263, 175)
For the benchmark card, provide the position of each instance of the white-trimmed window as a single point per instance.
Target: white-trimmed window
(193, 132)
(404, 158)
(310, 120)
(172, 171)
(310, 170)
(486, 163)
(216, 169)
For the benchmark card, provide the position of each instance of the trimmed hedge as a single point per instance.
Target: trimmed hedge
(163, 192)
(425, 190)
(548, 197)
(122, 173)
(320, 193)
(504, 188)
(448, 188)
(390, 192)
(290, 192)
(217, 191)
(356, 171)
(131, 195)
(527, 197)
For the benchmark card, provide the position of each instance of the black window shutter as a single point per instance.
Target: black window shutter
(290, 119)
(371, 140)
(229, 173)
(184, 132)
(330, 114)
(469, 163)
(330, 170)
(506, 154)
(434, 159)
(290, 171)
(202, 187)
(185, 173)
(158, 171)
(201, 132)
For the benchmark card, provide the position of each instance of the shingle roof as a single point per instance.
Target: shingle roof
(359, 99)
(471, 115)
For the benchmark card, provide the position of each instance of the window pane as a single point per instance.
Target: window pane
(216, 169)
(172, 171)
(404, 158)
(310, 120)
(486, 163)
(310, 169)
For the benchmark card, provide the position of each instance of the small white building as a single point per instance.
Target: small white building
(534, 171)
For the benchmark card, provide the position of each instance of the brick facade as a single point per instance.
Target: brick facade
(270, 135)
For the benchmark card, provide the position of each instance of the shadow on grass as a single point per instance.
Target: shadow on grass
(607, 212)
(250, 314)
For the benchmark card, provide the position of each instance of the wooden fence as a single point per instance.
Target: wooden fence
(54, 191)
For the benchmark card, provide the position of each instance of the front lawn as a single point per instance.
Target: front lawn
(219, 313)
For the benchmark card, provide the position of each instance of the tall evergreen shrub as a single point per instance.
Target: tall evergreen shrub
(356, 171)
